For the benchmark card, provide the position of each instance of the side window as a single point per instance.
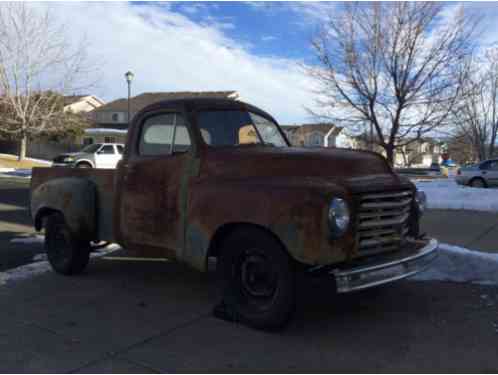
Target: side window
(107, 150)
(493, 165)
(120, 149)
(159, 133)
(485, 166)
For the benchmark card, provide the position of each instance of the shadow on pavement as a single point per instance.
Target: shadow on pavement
(156, 317)
(16, 254)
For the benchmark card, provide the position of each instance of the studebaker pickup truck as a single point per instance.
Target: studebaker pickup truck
(210, 178)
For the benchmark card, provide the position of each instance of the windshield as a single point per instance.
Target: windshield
(235, 128)
(90, 149)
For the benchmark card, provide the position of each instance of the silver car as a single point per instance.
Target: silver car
(483, 174)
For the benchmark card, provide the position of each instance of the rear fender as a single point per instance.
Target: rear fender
(74, 197)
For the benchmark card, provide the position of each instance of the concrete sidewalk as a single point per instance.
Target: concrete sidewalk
(471, 229)
(155, 317)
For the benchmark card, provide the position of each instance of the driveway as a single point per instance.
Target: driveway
(156, 317)
(125, 316)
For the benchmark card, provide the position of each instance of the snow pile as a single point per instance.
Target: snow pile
(23, 173)
(29, 240)
(447, 194)
(458, 264)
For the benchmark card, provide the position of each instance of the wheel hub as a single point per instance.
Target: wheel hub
(257, 276)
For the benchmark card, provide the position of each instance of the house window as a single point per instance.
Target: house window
(88, 141)
(316, 139)
(115, 117)
(109, 139)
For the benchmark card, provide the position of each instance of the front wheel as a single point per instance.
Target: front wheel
(478, 183)
(258, 280)
(67, 255)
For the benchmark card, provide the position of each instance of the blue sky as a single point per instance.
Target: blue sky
(255, 48)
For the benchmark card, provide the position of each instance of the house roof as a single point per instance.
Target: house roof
(309, 128)
(71, 99)
(143, 100)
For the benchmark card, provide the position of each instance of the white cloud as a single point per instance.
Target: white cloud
(268, 38)
(169, 52)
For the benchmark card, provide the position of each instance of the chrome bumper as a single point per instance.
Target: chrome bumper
(394, 267)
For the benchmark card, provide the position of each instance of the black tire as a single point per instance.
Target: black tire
(258, 281)
(66, 254)
(84, 165)
(478, 182)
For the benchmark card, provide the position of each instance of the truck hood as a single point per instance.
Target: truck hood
(61, 157)
(354, 169)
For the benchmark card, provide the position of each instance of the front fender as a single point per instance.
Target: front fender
(74, 197)
(295, 210)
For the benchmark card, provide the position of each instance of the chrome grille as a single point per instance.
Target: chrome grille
(382, 221)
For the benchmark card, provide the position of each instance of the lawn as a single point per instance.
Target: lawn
(8, 161)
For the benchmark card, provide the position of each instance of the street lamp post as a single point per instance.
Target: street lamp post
(129, 77)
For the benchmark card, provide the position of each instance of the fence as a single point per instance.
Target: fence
(39, 149)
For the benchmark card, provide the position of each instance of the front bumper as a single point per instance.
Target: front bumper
(415, 257)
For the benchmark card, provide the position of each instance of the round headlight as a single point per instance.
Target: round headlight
(421, 200)
(339, 217)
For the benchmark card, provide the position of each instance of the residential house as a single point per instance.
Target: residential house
(420, 153)
(111, 120)
(44, 149)
(312, 135)
(82, 103)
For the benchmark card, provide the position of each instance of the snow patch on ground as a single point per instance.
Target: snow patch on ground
(38, 267)
(447, 194)
(23, 173)
(459, 264)
(28, 240)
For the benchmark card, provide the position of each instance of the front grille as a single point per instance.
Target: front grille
(382, 221)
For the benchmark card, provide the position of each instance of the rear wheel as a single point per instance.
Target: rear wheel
(83, 165)
(478, 183)
(258, 280)
(66, 254)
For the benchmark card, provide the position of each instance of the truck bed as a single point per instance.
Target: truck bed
(104, 182)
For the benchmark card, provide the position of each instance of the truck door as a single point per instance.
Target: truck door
(491, 172)
(105, 157)
(152, 185)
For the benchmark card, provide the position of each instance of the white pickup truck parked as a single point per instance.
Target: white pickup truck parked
(97, 155)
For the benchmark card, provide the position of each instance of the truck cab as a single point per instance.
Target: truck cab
(217, 178)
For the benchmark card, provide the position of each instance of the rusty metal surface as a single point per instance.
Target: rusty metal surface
(84, 196)
(174, 205)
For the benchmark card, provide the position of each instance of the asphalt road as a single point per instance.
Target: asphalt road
(15, 223)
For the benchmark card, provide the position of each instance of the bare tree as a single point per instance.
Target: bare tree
(476, 114)
(391, 66)
(38, 64)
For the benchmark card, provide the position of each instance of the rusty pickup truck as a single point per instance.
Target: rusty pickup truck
(211, 178)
